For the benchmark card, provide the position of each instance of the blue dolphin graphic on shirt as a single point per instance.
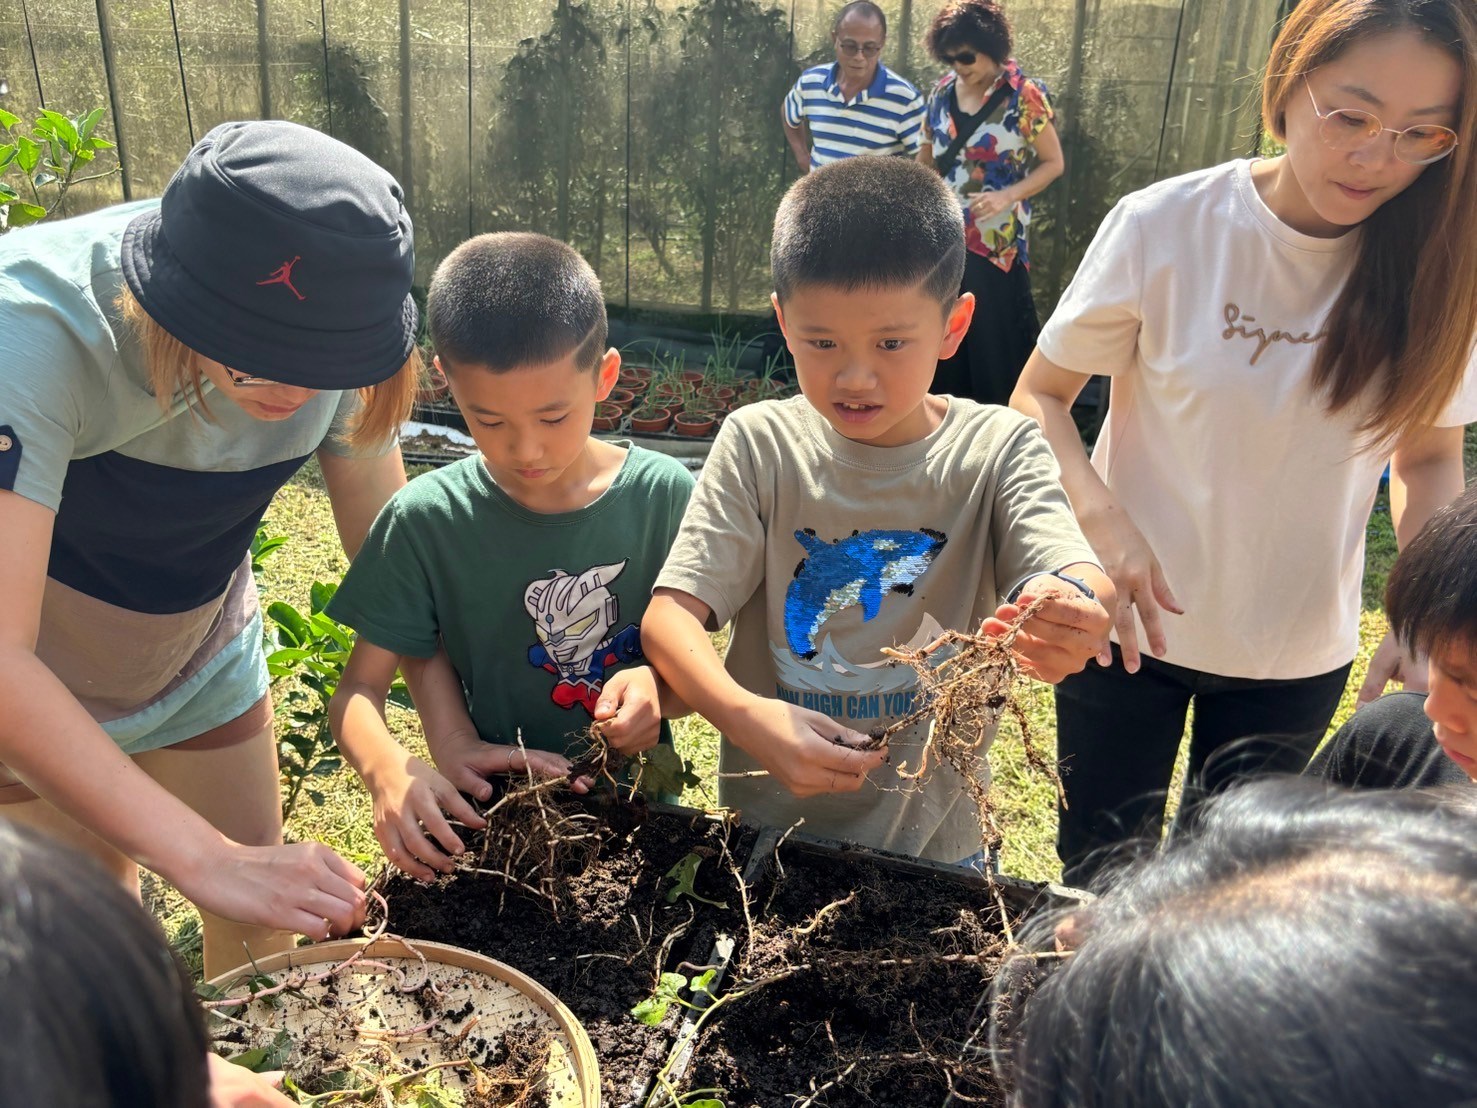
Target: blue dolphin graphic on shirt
(860, 569)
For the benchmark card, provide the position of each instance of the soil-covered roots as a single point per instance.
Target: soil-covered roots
(368, 1031)
(518, 1079)
(534, 844)
(966, 683)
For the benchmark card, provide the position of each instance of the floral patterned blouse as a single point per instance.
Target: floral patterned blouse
(996, 156)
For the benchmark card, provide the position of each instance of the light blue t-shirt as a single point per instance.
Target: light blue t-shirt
(155, 507)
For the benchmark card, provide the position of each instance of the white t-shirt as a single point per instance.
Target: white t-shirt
(1206, 310)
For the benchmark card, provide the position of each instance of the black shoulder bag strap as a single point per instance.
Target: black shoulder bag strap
(965, 126)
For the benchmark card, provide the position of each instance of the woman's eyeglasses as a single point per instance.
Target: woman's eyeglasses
(866, 49)
(246, 380)
(1349, 129)
(964, 57)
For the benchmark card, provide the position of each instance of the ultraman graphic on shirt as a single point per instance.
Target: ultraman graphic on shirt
(574, 616)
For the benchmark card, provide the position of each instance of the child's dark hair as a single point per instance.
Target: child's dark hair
(516, 299)
(1302, 945)
(97, 1008)
(970, 25)
(869, 223)
(1431, 596)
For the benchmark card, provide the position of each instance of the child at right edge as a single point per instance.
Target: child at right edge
(863, 514)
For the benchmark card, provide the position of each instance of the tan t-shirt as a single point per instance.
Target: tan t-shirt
(822, 551)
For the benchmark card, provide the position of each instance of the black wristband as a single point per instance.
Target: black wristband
(1076, 582)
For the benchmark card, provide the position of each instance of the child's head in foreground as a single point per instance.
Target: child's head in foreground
(1302, 946)
(867, 259)
(1431, 600)
(97, 1009)
(518, 323)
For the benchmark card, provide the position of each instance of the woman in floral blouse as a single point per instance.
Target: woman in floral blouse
(1009, 152)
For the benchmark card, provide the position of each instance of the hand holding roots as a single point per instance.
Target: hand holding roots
(965, 694)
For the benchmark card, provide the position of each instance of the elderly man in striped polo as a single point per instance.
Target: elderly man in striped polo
(854, 105)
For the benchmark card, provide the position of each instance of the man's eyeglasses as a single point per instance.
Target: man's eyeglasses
(866, 49)
(246, 380)
(1349, 129)
(964, 57)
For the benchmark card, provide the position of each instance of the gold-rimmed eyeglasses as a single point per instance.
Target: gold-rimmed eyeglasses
(1349, 129)
(247, 381)
(866, 49)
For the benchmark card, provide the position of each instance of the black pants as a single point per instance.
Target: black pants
(1001, 336)
(1118, 734)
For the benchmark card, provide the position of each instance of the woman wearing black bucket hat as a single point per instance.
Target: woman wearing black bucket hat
(166, 367)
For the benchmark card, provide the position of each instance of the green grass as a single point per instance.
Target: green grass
(1026, 801)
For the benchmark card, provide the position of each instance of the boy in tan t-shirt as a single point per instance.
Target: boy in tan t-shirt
(863, 514)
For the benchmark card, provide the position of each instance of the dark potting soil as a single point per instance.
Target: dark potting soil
(793, 1036)
(599, 956)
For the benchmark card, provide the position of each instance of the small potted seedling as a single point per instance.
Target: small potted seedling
(771, 384)
(608, 416)
(635, 379)
(695, 424)
(721, 396)
(651, 419)
(433, 387)
(666, 386)
(624, 399)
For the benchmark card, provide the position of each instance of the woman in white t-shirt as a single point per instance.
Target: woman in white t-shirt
(1276, 331)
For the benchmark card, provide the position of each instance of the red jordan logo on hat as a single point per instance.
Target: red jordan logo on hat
(282, 275)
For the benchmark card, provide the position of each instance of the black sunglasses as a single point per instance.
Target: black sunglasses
(964, 57)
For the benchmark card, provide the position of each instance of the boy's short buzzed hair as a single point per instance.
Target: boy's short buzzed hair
(514, 299)
(867, 223)
(1431, 596)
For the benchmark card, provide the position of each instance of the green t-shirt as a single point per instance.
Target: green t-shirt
(535, 610)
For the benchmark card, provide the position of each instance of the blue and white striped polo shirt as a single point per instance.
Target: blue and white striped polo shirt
(886, 117)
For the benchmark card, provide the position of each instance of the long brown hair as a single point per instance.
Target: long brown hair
(1400, 334)
(174, 369)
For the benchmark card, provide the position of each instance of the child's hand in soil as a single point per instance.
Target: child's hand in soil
(629, 711)
(411, 805)
(466, 761)
(1064, 634)
(233, 1086)
(807, 752)
(409, 801)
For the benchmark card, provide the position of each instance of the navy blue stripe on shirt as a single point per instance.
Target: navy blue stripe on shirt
(155, 539)
(885, 118)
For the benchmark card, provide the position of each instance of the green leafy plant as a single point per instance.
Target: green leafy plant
(669, 986)
(683, 876)
(705, 1002)
(662, 772)
(263, 546)
(45, 162)
(311, 653)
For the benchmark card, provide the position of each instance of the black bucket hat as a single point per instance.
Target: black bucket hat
(281, 253)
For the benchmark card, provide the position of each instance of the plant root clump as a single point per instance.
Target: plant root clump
(519, 1077)
(370, 1031)
(966, 683)
(536, 845)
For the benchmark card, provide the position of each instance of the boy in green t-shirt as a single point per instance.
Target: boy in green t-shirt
(508, 587)
(863, 514)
